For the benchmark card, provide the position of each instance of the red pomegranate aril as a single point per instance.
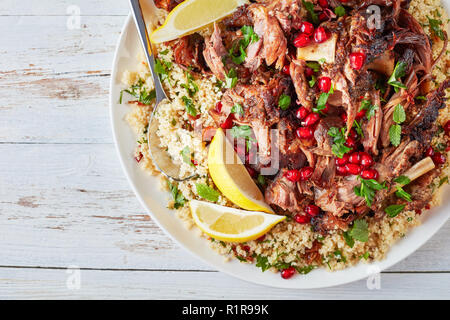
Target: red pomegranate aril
(323, 3)
(357, 60)
(355, 158)
(302, 113)
(305, 132)
(366, 159)
(326, 109)
(353, 134)
(246, 248)
(344, 117)
(342, 161)
(309, 72)
(353, 168)
(228, 123)
(302, 40)
(439, 158)
(286, 70)
(307, 28)
(320, 35)
(361, 114)
(252, 172)
(219, 106)
(323, 16)
(311, 119)
(302, 219)
(324, 84)
(292, 175)
(429, 152)
(288, 273)
(341, 170)
(350, 142)
(306, 173)
(447, 127)
(312, 210)
(369, 174)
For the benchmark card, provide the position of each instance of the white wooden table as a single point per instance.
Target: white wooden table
(64, 201)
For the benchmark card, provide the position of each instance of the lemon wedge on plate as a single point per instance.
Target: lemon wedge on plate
(230, 224)
(231, 177)
(191, 15)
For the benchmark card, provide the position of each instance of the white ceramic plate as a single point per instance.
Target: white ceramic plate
(155, 201)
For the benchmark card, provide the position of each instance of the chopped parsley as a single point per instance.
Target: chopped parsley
(206, 192)
(360, 230)
(187, 156)
(262, 262)
(322, 101)
(397, 74)
(368, 188)
(339, 11)
(237, 108)
(435, 26)
(176, 195)
(366, 255)
(393, 210)
(139, 92)
(395, 131)
(339, 148)
(190, 108)
(402, 194)
(231, 79)
(261, 180)
(312, 82)
(403, 180)
(242, 132)
(339, 256)
(313, 65)
(249, 37)
(191, 87)
(367, 105)
(284, 102)
(348, 239)
(310, 7)
(443, 180)
(162, 68)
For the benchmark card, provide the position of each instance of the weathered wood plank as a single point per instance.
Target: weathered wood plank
(71, 204)
(52, 284)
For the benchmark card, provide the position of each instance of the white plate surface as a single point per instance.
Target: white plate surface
(155, 201)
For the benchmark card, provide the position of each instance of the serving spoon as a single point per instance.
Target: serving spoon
(160, 157)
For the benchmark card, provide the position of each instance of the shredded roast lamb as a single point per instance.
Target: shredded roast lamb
(276, 90)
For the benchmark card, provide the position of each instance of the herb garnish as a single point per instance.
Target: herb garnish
(162, 68)
(393, 210)
(348, 239)
(368, 188)
(395, 131)
(322, 101)
(310, 7)
(206, 192)
(249, 37)
(402, 194)
(339, 11)
(403, 180)
(360, 230)
(176, 195)
(367, 105)
(190, 108)
(313, 65)
(191, 87)
(141, 93)
(284, 102)
(313, 81)
(231, 79)
(237, 108)
(187, 156)
(435, 26)
(339, 148)
(397, 74)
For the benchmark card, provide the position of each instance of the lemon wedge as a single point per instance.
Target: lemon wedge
(231, 177)
(230, 224)
(191, 15)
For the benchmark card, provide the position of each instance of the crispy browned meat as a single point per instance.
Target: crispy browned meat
(167, 5)
(188, 52)
(372, 128)
(297, 72)
(214, 52)
(284, 194)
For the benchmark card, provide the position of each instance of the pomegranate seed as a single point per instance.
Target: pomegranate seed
(429, 152)
(306, 173)
(324, 84)
(252, 172)
(228, 123)
(344, 117)
(286, 70)
(301, 113)
(307, 28)
(355, 158)
(292, 175)
(366, 159)
(301, 41)
(357, 60)
(353, 134)
(361, 114)
(320, 35)
(323, 16)
(309, 72)
(305, 132)
(302, 219)
(311, 119)
(219, 106)
(312, 210)
(350, 142)
(288, 273)
(326, 109)
(343, 161)
(439, 158)
(353, 168)
(341, 170)
(323, 3)
(246, 248)
(447, 127)
(369, 174)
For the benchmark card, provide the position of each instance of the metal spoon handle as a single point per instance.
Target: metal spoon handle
(146, 44)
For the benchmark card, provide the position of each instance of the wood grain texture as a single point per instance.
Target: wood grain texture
(64, 199)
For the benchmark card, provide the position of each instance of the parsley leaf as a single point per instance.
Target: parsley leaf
(284, 102)
(176, 195)
(313, 81)
(231, 79)
(313, 65)
(249, 35)
(206, 192)
(397, 74)
(395, 134)
(403, 180)
(262, 262)
(399, 114)
(339, 148)
(310, 7)
(237, 108)
(435, 26)
(348, 239)
(186, 155)
(367, 105)
(402, 194)
(191, 87)
(242, 132)
(339, 11)
(368, 188)
(304, 270)
(190, 108)
(393, 210)
(360, 230)
(140, 93)
(322, 101)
